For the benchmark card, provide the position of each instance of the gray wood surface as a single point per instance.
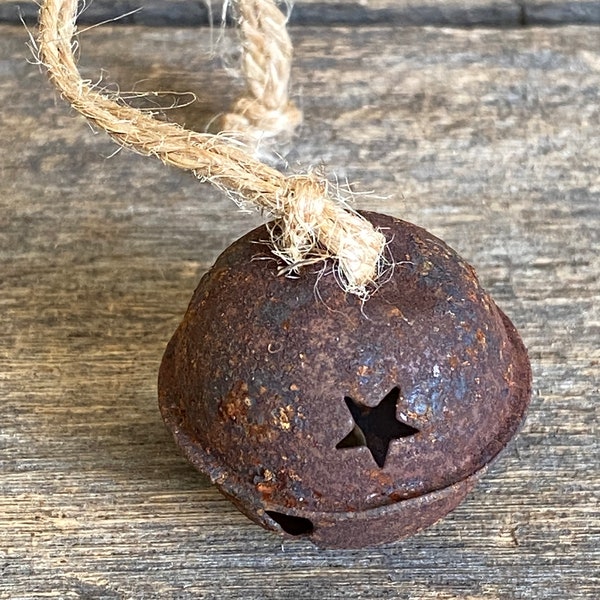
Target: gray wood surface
(488, 138)
(505, 13)
(549, 12)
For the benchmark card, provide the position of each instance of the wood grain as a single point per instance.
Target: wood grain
(488, 138)
(546, 12)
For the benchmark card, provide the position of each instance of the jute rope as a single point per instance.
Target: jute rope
(264, 109)
(313, 225)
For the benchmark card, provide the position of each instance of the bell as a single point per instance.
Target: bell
(350, 423)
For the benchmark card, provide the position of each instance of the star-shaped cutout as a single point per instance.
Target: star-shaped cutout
(375, 427)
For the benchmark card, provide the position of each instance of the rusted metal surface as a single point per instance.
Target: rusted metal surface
(353, 424)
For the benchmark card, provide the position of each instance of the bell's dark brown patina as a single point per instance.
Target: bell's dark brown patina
(350, 423)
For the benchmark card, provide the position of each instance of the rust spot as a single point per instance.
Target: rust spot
(395, 313)
(426, 267)
(283, 417)
(266, 489)
(481, 337)
(236, 403)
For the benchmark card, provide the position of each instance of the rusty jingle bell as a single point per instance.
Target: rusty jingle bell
(348, 423)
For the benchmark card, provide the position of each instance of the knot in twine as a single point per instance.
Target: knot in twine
(256, 121)
(314, 225)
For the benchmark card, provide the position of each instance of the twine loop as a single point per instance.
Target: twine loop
(257, 121)
(264, 109)
(314, 224)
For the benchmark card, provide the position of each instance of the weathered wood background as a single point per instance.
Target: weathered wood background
(504, 13)
(489, 137)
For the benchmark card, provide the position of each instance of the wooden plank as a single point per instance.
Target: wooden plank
(542, 12)
(487, 138)
(463, 13)
(306, 12)
(406, 12)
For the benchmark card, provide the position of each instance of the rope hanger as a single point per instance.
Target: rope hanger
(313, 223)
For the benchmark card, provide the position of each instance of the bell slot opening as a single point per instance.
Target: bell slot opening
(291, 524)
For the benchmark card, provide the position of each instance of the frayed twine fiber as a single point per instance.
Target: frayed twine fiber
(313, 225)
